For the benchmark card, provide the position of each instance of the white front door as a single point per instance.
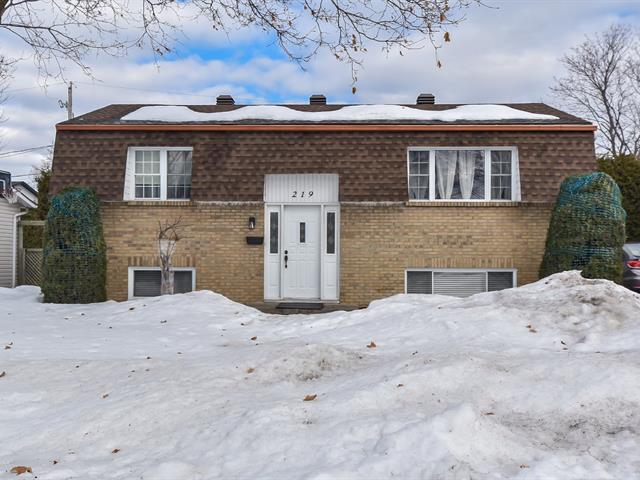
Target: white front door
(301, 252)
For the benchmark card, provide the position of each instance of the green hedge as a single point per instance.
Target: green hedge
(587, 228)
(74, 255)
(625, 170)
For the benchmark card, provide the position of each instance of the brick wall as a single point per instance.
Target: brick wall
(377, 243)
(373, 261)
(214, 243)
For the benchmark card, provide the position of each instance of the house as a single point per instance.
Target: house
(15, 200)
(332, 203)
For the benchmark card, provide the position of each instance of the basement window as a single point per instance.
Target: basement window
(458, 282)
(158, 173)
(463, 174)
(145, 281)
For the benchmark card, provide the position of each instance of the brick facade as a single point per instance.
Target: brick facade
(373, 261)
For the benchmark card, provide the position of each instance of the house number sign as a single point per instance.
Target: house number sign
(301, 188)
(302, 194)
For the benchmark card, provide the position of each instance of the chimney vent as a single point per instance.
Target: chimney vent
(426, 99)
(225, 100)
(317, 100)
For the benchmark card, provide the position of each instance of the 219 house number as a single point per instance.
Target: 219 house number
(302, 194)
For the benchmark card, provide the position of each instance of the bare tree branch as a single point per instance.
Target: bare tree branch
(70, 30)
(5, 75)
(601, 84)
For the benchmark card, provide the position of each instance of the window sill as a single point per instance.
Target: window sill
(456, 203)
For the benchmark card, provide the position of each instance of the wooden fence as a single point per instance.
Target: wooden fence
(29, 259)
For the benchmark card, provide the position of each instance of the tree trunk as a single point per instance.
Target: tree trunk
(166, 281)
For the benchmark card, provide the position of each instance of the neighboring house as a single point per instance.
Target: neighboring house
(15, 200)
(355, 202)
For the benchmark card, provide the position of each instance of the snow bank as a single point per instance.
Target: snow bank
(355, 113)
(541, 381)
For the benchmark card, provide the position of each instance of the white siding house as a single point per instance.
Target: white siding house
(10, 213)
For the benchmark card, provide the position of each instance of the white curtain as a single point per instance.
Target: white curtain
(446, 172)
(466, 172)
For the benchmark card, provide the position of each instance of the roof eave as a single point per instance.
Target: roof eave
(323, 127)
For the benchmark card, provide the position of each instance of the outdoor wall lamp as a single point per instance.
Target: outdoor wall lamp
(252, 222)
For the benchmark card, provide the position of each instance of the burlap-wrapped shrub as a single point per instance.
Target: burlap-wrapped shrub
(587, 228)
(74, 256)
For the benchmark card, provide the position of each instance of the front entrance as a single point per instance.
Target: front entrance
(302, 237)
(301, 244)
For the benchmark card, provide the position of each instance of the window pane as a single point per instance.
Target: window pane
(182, 281)
(459, 174)
(273, 232)
(146, 283)
(419, 282)
(179, 174)
(418, 193)
(414, 166)
(499, 280)
(500, 175)
(303, 233)
(419, 175)
(331, 232)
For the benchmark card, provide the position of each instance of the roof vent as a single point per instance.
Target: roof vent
(426, 99)
(317, 100)
(225, 100)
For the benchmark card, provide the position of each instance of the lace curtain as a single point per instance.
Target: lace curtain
(446, 162)
(466, 173)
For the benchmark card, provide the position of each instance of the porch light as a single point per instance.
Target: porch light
(252, 222)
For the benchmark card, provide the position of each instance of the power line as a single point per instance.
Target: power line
(32, 88)
(117, 87)
(24, 150)
(121, 87)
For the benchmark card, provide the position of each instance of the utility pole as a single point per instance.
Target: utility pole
(69, 103)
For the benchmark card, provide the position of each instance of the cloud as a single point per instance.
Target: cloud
(504, 54)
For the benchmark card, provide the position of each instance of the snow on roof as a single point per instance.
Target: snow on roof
(351, 113)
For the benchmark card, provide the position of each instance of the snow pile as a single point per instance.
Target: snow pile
(352, 113)
(541, 381)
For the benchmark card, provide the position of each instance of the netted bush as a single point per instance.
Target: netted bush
(74, 255)
(587, 228)
(625, 170)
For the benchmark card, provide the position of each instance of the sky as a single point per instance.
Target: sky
(505, 52)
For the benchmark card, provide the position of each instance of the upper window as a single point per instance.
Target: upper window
(159, 174)
(463, 174)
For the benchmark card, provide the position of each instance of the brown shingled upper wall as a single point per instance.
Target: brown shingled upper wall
(230, 166)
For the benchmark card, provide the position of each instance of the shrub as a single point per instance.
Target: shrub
(74, 255)
(625, 170)
(587, 228)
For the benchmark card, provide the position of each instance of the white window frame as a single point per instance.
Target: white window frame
(131, 271)
(131, 172)
(515, 174)
(486, 271)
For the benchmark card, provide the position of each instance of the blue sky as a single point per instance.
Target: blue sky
(504, 54)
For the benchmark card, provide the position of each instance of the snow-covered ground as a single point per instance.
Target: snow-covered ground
(537, 382)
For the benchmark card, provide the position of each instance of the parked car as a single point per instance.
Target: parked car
(631, 275)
